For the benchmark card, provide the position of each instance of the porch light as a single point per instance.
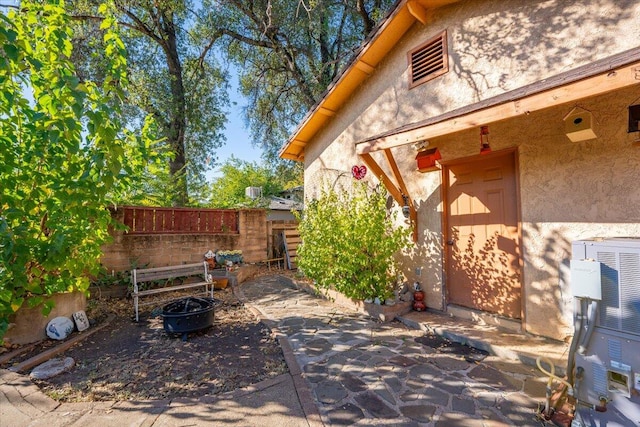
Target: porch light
(426, 159)
(485, 148)
(421, 145)
(406, 211)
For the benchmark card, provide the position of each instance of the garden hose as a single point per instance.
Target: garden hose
(552, 376)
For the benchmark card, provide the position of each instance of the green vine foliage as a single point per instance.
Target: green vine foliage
(65, 154)
(349, 242)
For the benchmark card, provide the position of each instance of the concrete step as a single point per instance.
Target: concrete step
(502, 343)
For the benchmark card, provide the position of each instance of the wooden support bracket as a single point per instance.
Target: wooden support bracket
(396, 191)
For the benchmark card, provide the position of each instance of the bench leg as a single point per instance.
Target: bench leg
(135, 305)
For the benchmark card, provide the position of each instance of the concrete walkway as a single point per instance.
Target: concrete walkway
(345, 369)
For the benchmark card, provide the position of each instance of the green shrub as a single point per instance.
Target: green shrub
(66, 153)
(349, 242)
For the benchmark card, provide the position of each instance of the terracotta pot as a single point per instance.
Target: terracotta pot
(220, 283)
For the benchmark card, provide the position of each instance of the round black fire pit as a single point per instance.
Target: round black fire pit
(188, 315)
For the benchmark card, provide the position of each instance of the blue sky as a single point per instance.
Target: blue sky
(238, 140)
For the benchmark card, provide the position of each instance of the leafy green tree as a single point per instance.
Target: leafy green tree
(349, 242)
(174, 76)
(287, 53)
(65, 155)
(228, 191)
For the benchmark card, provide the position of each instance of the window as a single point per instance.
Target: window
(429, 60)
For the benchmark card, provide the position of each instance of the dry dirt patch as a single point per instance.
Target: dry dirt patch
(138, 361)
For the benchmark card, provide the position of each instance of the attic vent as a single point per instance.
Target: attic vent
(429, 60)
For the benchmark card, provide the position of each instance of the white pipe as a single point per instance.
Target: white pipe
(591, 323)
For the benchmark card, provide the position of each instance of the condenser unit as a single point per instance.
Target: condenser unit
(253, 192)
(607, 365)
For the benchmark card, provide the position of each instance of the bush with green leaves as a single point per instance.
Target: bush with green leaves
(65, 152)
(349, 242)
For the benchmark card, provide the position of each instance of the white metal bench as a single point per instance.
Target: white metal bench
(142, 275)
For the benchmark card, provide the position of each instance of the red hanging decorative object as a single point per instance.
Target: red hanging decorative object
(426, 159)
(359, 172)
(485, 148)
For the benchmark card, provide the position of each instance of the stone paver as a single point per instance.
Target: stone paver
(345, 369)
(363, 372)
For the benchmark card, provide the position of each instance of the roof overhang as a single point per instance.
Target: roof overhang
(387, 34)
(609, 74)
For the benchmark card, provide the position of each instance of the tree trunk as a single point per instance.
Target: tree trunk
(177, 122)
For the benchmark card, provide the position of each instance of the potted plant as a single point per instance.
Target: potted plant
(223, 257)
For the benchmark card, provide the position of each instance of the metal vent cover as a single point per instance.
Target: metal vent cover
(429, 60)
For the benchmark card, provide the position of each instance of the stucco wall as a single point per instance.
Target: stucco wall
(172, 249)
(567, 190)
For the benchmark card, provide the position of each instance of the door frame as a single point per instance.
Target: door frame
(446, 249)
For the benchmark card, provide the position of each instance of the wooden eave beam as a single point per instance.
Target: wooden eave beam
(375, 50)
(498, 108)
(418, 11)
(413, 214)
(396, 191)
(382, 176)
(326, 112)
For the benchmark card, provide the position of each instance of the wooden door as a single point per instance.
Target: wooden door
(483, 260)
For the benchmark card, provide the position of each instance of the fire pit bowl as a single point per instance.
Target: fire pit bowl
(187, 315)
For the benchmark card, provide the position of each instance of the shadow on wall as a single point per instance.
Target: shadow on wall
(549, 293)
(496, 51)
(424, 262)
(534, 35)
(491, 272)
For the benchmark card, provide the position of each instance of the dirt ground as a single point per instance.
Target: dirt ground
(139, 361)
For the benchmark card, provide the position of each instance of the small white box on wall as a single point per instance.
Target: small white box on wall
(578, 125)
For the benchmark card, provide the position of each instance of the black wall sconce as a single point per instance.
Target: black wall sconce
(406, 211)
(634, 118)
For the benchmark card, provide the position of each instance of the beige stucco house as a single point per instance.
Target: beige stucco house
(552, 84)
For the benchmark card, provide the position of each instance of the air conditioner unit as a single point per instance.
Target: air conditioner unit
(253, 192)
(607, 366)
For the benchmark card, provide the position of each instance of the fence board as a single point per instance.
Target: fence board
(150, 220)
(229, 222)
(138, 218)
(128, 217)
(163, 221)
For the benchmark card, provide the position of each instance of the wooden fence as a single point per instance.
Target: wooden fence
(152, 220)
